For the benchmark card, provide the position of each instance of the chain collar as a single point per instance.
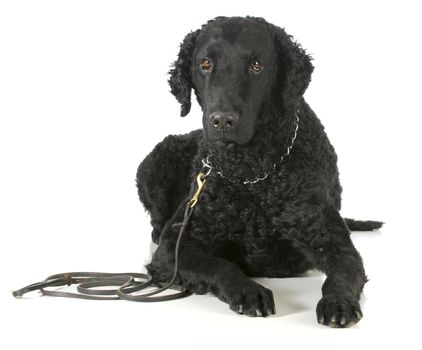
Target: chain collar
(207, 164)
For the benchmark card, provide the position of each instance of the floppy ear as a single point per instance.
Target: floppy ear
(295, 68)
(180, 80)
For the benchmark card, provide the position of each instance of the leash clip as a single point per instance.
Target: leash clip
(200, 180)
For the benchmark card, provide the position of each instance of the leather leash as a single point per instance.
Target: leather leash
(89, 283)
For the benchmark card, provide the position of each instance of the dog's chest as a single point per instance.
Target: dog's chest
(246, 213)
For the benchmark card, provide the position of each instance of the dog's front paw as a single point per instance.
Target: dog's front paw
(338, 311)
(249, 298)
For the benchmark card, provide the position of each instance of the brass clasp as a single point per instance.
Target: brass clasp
(201, 183)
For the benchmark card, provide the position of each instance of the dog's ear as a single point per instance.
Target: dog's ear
(295, 68)
(180, 80)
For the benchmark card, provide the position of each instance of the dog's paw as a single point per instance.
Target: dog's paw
(250, 298)
(338, 311)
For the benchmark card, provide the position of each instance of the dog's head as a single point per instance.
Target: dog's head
(235, 65)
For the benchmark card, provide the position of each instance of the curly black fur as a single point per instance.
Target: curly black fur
(278, 227)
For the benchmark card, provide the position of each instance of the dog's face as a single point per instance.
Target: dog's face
(233, 70)
(236, 66)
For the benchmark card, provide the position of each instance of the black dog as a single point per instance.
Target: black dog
(271, 203)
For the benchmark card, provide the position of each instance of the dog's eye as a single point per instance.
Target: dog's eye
(206, 64)
(256, 66)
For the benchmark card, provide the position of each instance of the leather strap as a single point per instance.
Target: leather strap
(89, 284)
(127, 283)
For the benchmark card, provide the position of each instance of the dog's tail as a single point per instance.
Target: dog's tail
(358, 225)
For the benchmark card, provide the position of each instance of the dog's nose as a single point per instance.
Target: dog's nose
(224, 121)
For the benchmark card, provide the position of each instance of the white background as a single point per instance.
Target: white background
(84, 98)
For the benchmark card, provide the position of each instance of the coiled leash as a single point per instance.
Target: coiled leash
(88, 283)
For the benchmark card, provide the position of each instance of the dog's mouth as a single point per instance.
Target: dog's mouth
(222, 144)
(226, 140)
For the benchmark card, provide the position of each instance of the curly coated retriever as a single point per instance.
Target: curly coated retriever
(271, 203)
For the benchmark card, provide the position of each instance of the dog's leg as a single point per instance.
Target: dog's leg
(202, 273)
(338, 258)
